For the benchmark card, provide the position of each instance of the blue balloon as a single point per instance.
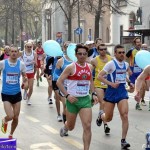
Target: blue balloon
(142, 58)
(71, 51)
(52, 48)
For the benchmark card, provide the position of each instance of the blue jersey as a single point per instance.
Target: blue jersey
(57, 72)
(114, 95)
(11, 78)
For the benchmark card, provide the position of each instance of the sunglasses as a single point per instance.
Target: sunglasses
(121, 52)
(102, 49)
(82, 54)
(29, 46)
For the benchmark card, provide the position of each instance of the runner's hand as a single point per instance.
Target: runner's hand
(114, 85)
(95, 100)
(137, 97)
(71, 99)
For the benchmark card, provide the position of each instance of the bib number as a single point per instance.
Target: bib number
(12, 78)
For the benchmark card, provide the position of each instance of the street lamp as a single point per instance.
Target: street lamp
(36, 19)
(48, 18)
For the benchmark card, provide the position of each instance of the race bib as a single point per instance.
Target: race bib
(82, 88)
(121, 76)
(12, 78)
(136, 69)
(29, 67)
(105, 76)
(40, 56)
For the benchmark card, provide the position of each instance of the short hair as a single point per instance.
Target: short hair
(134, 40)
(102, 44)
(81, 46)
(98, 40)
(118, 46)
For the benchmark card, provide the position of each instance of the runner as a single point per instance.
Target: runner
(143, 77)
(60, 67)
(133, 66)
(12, 68)
(116, 91)
(29, 57)
(5, 55)
(48, 75)
(79, 81)
(98, 63)
(40, 62)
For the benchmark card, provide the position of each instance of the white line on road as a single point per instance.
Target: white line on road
(49, 128)
(32, 119)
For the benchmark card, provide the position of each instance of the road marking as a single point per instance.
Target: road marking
(49, 144)
(74, 143)
(49, 128)
(32, 119)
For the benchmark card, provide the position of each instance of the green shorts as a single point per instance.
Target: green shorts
(83, 102)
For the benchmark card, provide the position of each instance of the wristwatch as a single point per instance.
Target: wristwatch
(94, 93)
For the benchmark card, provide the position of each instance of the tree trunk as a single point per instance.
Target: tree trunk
(6, 29)
(97, 19)
(69, 29)
(21, 24)
(13, 21)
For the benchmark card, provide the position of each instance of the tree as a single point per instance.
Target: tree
(98, 8)
(68, 6)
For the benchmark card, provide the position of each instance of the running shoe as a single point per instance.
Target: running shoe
(106, 129)
(63, 132)
(29, 102)
(4, 127)
(37, 83)
(50, 101)
(59, 118)
(41, 79)
(143, 103)
(138, 107)
(25, 95)
(99, 120)
(125, 145)
(10, 136)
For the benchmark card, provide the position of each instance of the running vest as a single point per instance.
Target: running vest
(78, 84)
(133, 65)
(119, 75)
(11, 78)
(28, 59)
(39, 54)
(99, 67)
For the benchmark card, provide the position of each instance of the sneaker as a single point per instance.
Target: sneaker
(99, 120)
(125, 145)
(10, 136)
(4, 127)
(59, 118)
(25, 95)
(28, 102)
(37, 83)
(50, 101)
(143, 103)
(106, 129)
(137, 107)
(63, 131)
(41, 79)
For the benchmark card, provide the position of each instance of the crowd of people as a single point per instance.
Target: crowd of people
(96, 77)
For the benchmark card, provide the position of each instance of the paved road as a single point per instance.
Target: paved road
(39, 130)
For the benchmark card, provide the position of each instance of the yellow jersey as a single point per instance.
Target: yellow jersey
(99, 67)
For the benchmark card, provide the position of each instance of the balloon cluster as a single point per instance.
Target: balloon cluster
(142, 58)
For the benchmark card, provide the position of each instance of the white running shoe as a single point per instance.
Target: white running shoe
(25, 95)
(59, 118)
(28, 102)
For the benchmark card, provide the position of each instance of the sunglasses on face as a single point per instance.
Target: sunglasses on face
(102, 49)
(82, 54)
(121, 52)
(29, 46)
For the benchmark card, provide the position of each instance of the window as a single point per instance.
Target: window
(90, 34)
(122, 2)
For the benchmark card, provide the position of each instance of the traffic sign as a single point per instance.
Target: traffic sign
(79, 30)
